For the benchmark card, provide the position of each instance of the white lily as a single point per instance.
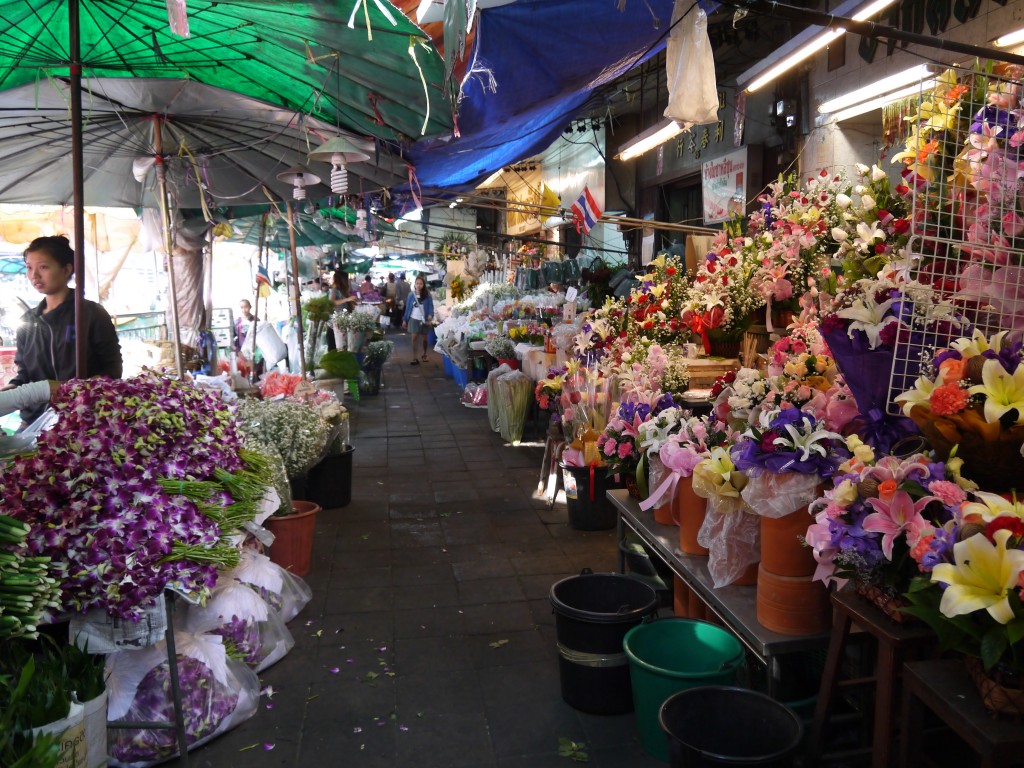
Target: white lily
(868, 235)
(991, 505)
(921, 393)
(979, 343)
(869, 317)
(809, 443)
(1003, 391)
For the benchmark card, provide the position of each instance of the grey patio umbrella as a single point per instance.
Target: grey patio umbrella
(230, 144)
(156, 143)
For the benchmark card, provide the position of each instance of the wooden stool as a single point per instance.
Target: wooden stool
(896, 643)
(944, 687)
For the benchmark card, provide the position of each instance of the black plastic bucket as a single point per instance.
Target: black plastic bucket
(593, 612)
(588, 505)
(721, 725)
(329, 483)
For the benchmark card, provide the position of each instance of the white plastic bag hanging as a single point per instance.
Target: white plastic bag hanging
(690, 68)
(237, 613)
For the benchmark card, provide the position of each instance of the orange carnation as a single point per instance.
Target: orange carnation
(948, 399)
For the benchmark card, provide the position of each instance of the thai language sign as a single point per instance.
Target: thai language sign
(723, 184)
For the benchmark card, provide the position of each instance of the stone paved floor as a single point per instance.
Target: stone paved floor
(430, 640)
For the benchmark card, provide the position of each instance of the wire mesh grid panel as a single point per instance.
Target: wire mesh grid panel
(965, 174)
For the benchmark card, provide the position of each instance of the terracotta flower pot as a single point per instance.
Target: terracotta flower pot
(792, 605)
(293, 537)
(690, 509)
(782, 551)
(748, 578)
(665, 514)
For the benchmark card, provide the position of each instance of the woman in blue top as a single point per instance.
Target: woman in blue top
(419, 315)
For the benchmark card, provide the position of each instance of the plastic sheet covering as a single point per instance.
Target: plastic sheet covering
(283, 591)
(217, 694)
(528, 79)
(514, 392)
(690, 63)
(774, 496)
(492, 396)
(732, 537)
(236, 612)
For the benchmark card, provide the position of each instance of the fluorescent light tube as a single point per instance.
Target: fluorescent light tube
(815, 45)
(649, 139)
(885, 85)
(881, 101)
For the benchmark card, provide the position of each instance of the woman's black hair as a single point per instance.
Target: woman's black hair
(425, 292)
(57, 247)
(340, 280)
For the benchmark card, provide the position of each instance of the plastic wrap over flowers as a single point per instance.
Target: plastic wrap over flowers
(126, 490)
(217, 694)
(282, 590)
(253, 630)
(296, 429)
(732, 537)
(776, 496)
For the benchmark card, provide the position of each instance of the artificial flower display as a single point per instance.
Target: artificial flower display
(134, 490)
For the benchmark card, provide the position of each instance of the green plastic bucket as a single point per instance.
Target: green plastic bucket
(672, 655)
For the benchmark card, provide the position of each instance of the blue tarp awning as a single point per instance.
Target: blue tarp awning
(546, 58)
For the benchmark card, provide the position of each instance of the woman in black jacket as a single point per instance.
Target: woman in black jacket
(46, 337)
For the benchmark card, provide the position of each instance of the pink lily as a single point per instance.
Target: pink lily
(901, 515)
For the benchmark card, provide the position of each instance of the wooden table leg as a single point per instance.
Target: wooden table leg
(829, 680)
(911, 725)
(885, 689)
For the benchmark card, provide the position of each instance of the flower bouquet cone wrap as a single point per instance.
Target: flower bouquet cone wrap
(730, 532)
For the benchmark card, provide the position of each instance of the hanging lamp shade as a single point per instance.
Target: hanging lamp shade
(339, 152)
(299, 178)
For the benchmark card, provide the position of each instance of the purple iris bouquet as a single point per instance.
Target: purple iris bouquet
(132, 490)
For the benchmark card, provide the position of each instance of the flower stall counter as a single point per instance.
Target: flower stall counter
(734, 605)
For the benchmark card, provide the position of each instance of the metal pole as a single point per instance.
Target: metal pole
(165, 219)
(208, 301)
(78, 190)
(298, 297)
(873, 29)
(256, 301)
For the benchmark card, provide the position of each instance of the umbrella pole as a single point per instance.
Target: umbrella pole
(256, 300)
(165, 219)
(78, 191)
(298, 292)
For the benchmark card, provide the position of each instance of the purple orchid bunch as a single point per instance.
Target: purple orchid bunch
(204, 701)
(125, 492)
(882, 516)
(789, 441)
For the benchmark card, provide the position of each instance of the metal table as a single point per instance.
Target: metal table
(735, 607)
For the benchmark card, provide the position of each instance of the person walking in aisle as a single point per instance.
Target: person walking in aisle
(419, 315)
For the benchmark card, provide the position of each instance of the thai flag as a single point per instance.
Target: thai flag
(586, 211)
